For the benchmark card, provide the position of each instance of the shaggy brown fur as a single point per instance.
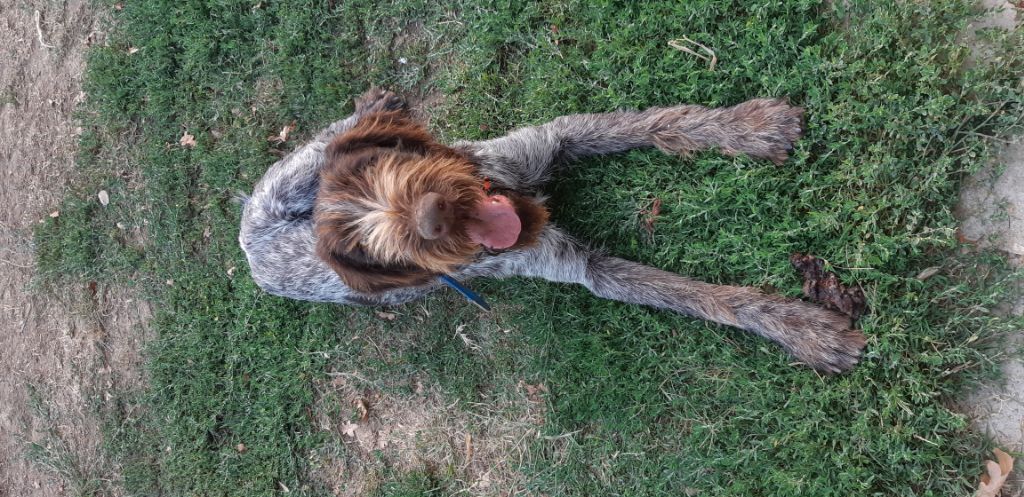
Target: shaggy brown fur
(373, 210)
(365, 218)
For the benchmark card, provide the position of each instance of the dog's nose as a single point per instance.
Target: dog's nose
(434, 216)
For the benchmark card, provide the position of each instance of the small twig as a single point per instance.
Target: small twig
(15, 264)
(559, 437)
(711, 57)
(39, 32)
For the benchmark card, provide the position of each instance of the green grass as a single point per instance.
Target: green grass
(654, 404)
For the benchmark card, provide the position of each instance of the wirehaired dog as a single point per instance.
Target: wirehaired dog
(374, 210)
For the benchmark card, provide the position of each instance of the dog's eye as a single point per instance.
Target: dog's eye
(441, 205)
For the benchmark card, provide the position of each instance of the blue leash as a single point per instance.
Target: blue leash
(465, 292)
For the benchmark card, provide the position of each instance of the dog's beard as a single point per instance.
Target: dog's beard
(491, 223)
(457, 184)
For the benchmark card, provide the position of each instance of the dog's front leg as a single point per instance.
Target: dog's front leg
(818, 337)
(527, 157)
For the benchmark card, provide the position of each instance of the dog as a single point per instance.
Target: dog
(373, 211)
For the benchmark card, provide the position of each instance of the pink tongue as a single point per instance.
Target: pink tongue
(494, 224)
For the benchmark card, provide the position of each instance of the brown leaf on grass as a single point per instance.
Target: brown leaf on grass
(364, 409)
(824, 287)
(104, 198)
(55, 214)
(187, 140)
(651, 216)
(283, 135)
(388, 316)
(534, 392)
(995, 474)
(962, 238)
(241, 448)
(349, 429)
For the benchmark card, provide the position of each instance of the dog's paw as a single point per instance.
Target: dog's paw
(823, 339)
(378, 100)
(767, 129)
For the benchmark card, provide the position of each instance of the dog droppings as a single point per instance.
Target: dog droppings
(824, 287)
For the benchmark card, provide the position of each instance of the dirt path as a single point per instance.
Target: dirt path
(59, 354)
(991, 209)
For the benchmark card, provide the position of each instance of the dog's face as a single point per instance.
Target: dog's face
(395, 208)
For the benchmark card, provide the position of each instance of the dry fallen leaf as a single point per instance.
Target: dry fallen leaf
(187, 140)
(533, 392)
(241, 448)
(283, 135)
(54, 214)
(104, 198)
(390, 316)
(132, 50)
(994, 478)
(928, 273)
(962, 238)
(652, 215)
(364, 409)
(349, 429)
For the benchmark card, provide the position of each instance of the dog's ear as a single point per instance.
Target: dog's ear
(359, 271)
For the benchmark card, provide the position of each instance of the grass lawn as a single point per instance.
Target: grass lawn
(625, 400)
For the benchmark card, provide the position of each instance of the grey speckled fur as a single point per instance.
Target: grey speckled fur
(278, 239)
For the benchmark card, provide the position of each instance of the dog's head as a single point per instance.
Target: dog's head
(396, 208)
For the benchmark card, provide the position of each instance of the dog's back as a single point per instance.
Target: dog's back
(276, 232)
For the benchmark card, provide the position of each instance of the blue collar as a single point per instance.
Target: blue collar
(465, 292)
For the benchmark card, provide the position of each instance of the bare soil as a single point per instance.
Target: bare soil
(374, 433)
(62, 352)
